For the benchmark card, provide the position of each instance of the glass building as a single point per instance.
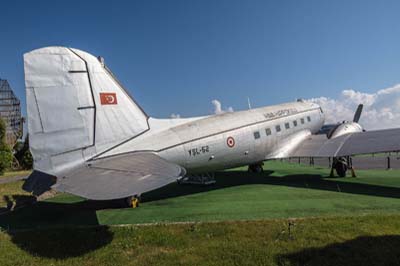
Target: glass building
(10, 112)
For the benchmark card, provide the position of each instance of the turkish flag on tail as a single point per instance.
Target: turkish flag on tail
(108, 98)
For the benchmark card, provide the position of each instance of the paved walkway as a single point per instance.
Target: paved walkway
(5, 180)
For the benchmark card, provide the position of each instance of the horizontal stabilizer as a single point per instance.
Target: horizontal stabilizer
(120, 176)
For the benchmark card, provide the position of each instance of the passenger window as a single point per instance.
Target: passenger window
(308, 119)
(256, 134)
(287, 126)
(278, 128)
(295, 123)
(268, 131)
(302, 120)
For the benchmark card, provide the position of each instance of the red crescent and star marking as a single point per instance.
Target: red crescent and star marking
(230, 141)
(108, 98)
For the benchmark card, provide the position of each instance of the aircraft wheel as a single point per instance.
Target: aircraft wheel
(255, 168)
(341, 169)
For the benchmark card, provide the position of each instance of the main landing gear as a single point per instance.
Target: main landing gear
(341, 165)
(256, 168)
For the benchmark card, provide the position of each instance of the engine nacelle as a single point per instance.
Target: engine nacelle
(344, 128)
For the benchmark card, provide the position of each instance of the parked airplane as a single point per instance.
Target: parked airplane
(87, 131)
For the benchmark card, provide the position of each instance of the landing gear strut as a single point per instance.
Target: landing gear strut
(341, 165)
(256, 168)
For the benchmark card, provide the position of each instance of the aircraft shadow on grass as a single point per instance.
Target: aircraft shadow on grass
(22, 223)
(72, 229)
(364, 250)
(83, 213)
(237, 178)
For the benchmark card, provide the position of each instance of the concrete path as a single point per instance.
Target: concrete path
(5, 180)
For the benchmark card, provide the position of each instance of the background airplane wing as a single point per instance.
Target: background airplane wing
(350, 144)
(120, 176)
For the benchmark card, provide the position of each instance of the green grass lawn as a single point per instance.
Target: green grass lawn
(9, 191)
(282, 191)
(359, 240)
(244, 221)
(15, 173)
(13, 189)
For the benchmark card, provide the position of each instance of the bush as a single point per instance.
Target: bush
(27, 160)
(6, 159)
(23, 154)
(6, 156)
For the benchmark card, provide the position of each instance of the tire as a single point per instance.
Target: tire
(255, 168)
(341, 169)
(258, 169)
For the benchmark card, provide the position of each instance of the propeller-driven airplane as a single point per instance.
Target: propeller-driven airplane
(88, 137)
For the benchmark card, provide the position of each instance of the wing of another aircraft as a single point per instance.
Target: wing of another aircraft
(387, 140)
(120, 176)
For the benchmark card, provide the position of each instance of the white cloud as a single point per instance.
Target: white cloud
(218, 107)
(381, 109)
(175, 116)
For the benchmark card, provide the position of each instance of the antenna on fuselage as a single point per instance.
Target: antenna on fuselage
(248, 102)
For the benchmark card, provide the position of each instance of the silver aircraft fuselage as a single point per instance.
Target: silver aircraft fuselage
(227, 140)
(86, 130)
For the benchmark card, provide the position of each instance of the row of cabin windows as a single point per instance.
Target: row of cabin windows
(268, 131)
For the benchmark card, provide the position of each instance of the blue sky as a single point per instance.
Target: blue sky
(177, 56)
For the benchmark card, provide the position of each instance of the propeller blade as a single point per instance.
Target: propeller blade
(357, 115)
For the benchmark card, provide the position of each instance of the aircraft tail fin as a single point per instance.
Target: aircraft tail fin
(76, 108)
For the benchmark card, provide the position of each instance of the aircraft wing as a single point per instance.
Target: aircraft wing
(387, 140)
(120, 176)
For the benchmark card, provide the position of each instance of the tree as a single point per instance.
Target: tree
(24, 155)
(6, 155)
